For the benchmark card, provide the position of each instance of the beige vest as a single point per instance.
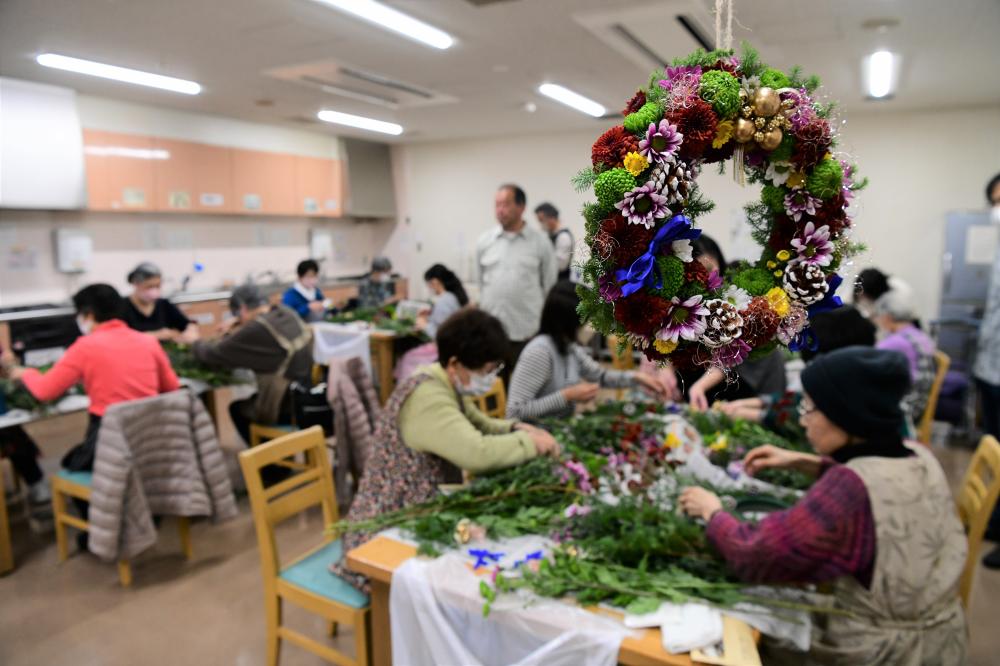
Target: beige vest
(272, 387)
(911, 616)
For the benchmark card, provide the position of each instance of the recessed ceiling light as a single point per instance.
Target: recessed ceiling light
(395, 20)
(572, 99)
(530, 107)
(880, 74)
(360, 122)
(116, 73)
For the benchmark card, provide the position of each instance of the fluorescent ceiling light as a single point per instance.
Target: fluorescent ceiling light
(125, 151)
(360, 122)
(394, 20)
(118, 73)
(880, 72)
(572, 99)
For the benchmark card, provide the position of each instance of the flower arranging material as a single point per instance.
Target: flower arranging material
(640, 280)
(383, 318)
(607, 508)
(188, 367)
(16, 396)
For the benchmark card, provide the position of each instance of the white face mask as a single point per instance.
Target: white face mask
(479, 383)
(150, 295)
(995, 214)
(309, 282)
(85, 325)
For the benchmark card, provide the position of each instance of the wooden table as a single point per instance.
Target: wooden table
(383, 360)
(381, 556)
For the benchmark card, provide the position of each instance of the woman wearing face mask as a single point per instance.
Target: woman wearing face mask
(304, 296)
(449, 298)
(428, 432)
(879, 524)
(147, 312)
(377, 288)
(554, 372)
(114, 363)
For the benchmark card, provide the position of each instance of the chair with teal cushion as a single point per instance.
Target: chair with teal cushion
(313, 574)
(80, 478)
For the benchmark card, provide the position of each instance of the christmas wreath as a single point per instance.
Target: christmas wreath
(641, 281)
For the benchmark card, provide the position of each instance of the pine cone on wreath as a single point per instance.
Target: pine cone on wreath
(723, 324)
(805, 283)
(673, 180)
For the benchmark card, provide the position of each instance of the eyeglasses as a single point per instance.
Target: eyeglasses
(804, 408)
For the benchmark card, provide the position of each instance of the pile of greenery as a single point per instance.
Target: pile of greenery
(187, 366)
(382, 318)
(16, 396)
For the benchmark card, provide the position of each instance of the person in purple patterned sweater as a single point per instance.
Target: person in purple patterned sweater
(879, 523)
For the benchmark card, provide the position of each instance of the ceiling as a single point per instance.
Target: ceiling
(243, 51)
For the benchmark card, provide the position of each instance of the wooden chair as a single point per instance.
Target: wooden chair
(942, 361)
(977, 497)
(77, 484)
(306, 581)
(260, 433)
(623, 359)
(497, 397)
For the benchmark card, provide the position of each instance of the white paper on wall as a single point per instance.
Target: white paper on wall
(981, 244)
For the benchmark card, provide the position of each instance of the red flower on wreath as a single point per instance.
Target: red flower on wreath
(783, 230)
(637, 102)
(760, 322)
(812, 142)
(697, 122)
(641, 313)
(694, 271)
(833, 215)
(628, 240)
(612, 147)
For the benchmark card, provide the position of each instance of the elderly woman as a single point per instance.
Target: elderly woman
(554, 372)
(895, 315)
(145, 310)
(879, 523)
(428, 432)
(377, 288)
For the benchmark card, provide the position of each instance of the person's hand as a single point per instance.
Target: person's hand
(668, 376)
(700, 503)
(652, 385)
(545, 444)
(227, 325)
(768, 457)
(16, 373)
(168, 334)
(525, 427)
(7, 361)
(582, 392)
(750, 409)
(421, 322)
(697, 397)
(317, 306)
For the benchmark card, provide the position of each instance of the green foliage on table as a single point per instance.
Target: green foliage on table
(383, 318)
(188, 367)
(18, 397)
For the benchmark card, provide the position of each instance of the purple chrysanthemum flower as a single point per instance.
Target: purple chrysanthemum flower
(643, 205)
(845, 186)
(799, 202)
(685, 319)
(661, 142)
(803, 111)
(714, 281)
(731, 355)
(576, 510)
(582, 475)
(608, 289)
(814, 245)
(674, 74)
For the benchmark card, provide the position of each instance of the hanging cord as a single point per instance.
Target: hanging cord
(724, 40)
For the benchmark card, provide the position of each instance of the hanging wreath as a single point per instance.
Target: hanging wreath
(641, 281)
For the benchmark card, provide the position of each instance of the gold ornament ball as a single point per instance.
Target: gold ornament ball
(744, 130)
(771, 140)
(759, 122)
(766, 102)
(758, 137)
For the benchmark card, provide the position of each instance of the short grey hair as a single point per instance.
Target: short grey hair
(249, 295)
(143, 272)
(897, 305)
(381, 265)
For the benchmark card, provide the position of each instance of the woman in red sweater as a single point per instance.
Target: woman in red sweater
(114, 363)
(879, 524)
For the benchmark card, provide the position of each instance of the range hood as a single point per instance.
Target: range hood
(368, 180)
(41, 147)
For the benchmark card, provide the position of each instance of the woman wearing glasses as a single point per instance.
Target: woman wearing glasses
(879, 524)
(428, 432)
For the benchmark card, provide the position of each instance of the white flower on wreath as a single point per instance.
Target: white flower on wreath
(777, 172)
(738, 298)
(683, 250)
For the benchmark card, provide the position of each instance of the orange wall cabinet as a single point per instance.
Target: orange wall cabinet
(193, 177)
(317, 187)
(119, 170)
(264, 182)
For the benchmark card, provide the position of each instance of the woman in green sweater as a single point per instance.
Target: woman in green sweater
(430, 430)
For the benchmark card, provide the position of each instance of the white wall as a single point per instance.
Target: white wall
(921, 165)
(229, 246)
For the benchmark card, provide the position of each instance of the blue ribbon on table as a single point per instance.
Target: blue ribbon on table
(642, 272)
(536, 555)
(484, 557)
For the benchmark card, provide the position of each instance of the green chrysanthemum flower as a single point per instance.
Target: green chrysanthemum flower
(722, 91)
(755, 281)
(773, 197)
(826, 179)
(612, 185)
(639, 121)
(775, 78)
(783, 153)
(672, 274)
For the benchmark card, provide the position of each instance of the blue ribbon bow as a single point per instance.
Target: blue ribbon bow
(831, 301)
(484, 557)
(642, 272)
(536, 555)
